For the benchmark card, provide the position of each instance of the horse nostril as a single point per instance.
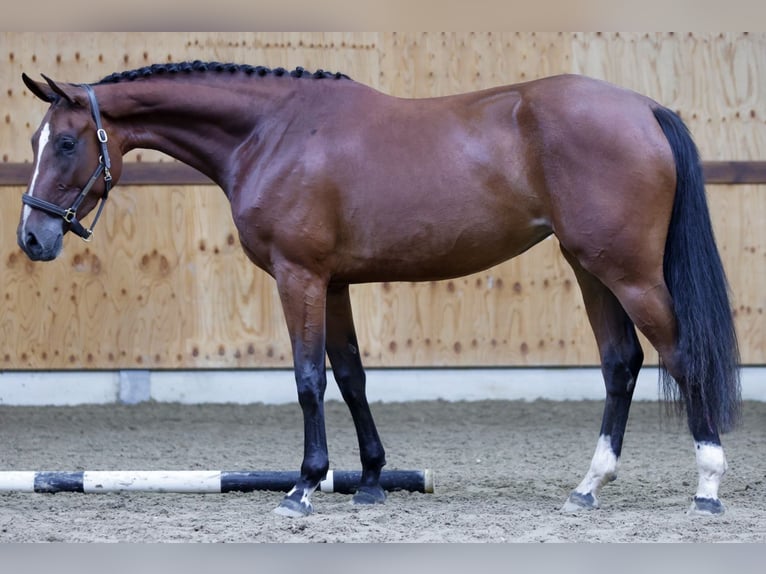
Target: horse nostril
(31, 240)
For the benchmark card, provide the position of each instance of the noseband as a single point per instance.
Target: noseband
(104, 164)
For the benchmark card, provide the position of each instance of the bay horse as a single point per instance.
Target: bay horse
(333, 183)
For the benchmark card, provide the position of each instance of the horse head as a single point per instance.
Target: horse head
(73, 168)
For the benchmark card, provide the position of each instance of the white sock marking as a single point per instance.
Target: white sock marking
(711, 464)
(603, 469)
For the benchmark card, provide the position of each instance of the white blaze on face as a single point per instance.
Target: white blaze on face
(41, 143)
(711, 464)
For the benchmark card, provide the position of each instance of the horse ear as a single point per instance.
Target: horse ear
(49, 91)
(39, 89)
(63, 91)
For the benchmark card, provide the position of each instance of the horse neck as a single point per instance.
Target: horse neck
(200, 124)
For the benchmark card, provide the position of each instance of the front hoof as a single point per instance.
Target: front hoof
(578, 502)
(706, 507)
(293, 508)
(369, 495)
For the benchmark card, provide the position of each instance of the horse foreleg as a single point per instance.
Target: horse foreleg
(621, 359)
(303, 297)
(343, 351)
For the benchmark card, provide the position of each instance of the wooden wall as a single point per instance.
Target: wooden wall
(164, 285)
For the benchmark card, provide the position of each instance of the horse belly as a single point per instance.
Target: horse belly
(411, 247)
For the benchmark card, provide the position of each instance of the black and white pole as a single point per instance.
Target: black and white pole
(201, 481)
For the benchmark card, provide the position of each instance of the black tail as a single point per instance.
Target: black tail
(707, 341)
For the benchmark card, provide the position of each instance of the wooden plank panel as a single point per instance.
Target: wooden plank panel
(717, 82)
(88, 57)
(426, 64)
(738, 221)
(165, 285)
(482, 319)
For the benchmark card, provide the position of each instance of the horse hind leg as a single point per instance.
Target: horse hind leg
(649, 305)
(343, 352)
(621, 359)
(709, 455)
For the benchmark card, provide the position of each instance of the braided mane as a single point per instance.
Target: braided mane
(216, 67)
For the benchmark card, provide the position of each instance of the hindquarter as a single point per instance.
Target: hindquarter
(607, 173)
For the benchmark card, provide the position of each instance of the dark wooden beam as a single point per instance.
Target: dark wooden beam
(174, 173)
(162, 174)
(735, 172)
(134, 173)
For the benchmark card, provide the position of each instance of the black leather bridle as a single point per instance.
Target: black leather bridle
(104, 164)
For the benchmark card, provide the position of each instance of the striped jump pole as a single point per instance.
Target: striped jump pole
(201, 481)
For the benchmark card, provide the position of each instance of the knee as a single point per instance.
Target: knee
(353, 389)
(311, 387)
(352, 383)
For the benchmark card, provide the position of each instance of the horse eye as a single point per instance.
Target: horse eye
(67, 145)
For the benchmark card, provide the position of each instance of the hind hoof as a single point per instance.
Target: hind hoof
(707, 507)
(369, 495)
(293, 509)
(577, 502)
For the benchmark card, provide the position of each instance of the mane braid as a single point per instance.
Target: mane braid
(183, 68)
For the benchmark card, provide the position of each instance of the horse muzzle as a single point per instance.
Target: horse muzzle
(43, 243)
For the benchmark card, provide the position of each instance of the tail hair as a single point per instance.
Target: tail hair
(694, 274)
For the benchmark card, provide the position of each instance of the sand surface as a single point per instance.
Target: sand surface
(502, 468)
